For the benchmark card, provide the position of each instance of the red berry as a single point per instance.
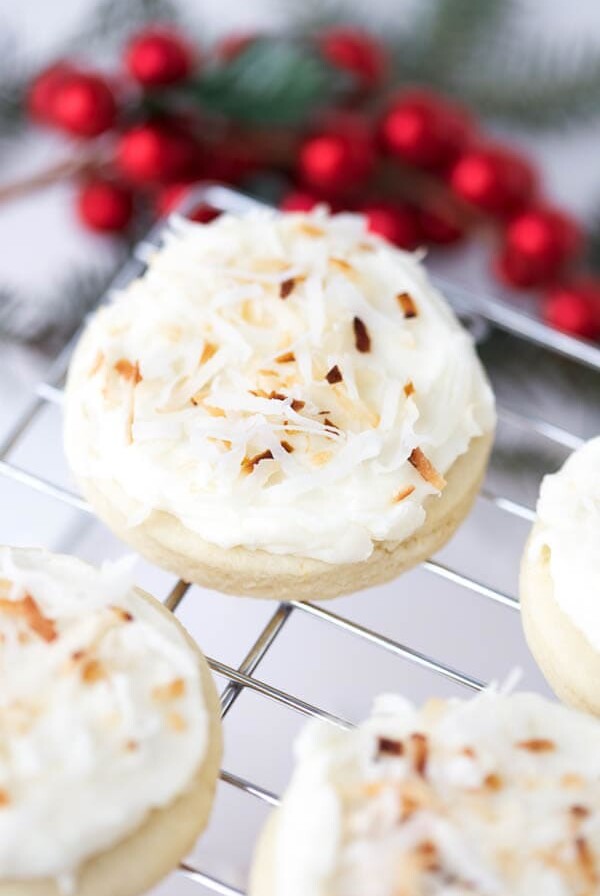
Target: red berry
(105, 206)
(424, 129)
(337, 159)
(395, 222)
(493, 179)
(440, 223)
(356, 52)
(156, 153)
(84, 104)
(537, 245)
(42, 91)
(170, 196)
(229, 48)
(158, 56)
(574, 308)
(298, 201)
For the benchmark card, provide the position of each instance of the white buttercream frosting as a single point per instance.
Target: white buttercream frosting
(267, 380)
(569, 525)
(102, 714)
(498, 795)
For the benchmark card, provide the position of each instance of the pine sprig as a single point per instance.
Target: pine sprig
(273, 82)
(534, 86)
(111, 22)
(444, 37)
(51, 321)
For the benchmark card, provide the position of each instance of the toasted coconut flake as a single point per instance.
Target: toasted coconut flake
(425, 468)
(287, 447)
(28, 610)
(579, 811)
(362, 340)
(409, 389)
(286, 358)
(428, 855)
(176, 722)
(129, 371)
(407, 304)
(249, 463)
(341, 265)
(586, 861)
(311, 229)
(286, 288)
(321, 458)
(4, 798)
(389, 747)
(334, 375)
(493, 782)
(171, 691)
(297, 404)
(93, 671)
(214, 411)
(403, 493)
(572, 780)
(537, 745)
(132, 745)
(208, 352)
(122, 614)
(420, 752)
(98, 362)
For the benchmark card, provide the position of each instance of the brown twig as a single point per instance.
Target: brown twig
(55, 173)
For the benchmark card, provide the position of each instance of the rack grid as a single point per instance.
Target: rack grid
(493, 312)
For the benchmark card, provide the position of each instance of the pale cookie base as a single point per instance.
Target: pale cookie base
(166, 836)
(569, 662)
(262, 874)
(164, 540)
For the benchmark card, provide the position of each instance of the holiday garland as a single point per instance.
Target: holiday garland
(326, 111)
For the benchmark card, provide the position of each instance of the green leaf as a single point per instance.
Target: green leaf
(273, 82)
(536, 87)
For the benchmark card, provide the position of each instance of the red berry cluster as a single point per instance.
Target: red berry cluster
(466, 181)
(422, 172)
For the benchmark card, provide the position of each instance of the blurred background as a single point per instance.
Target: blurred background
(468, 128)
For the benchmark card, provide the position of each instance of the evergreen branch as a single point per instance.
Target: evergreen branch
(14, 81)
(445, 34)
(52, 321)
(273, 82)
(534, 86)
(111, 22)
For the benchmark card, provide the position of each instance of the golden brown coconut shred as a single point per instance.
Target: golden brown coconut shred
(425, 468)
(362, 339)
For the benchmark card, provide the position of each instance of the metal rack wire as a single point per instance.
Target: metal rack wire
(244, 676)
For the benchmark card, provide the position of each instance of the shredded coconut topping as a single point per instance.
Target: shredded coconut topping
(102, 716)
(568, 532)
(494, 796)
(255, 335)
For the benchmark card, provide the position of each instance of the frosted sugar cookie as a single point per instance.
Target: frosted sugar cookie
(109, 731)
(495, 795)
(281, 406)
(560, 580)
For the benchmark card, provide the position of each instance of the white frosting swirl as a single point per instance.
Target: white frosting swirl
(102, 715)
(569, 525)
(208, 388)
(497, 795)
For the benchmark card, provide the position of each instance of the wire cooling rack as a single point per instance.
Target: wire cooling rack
(243, 677)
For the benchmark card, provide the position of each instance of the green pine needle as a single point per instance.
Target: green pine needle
(275, 81)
